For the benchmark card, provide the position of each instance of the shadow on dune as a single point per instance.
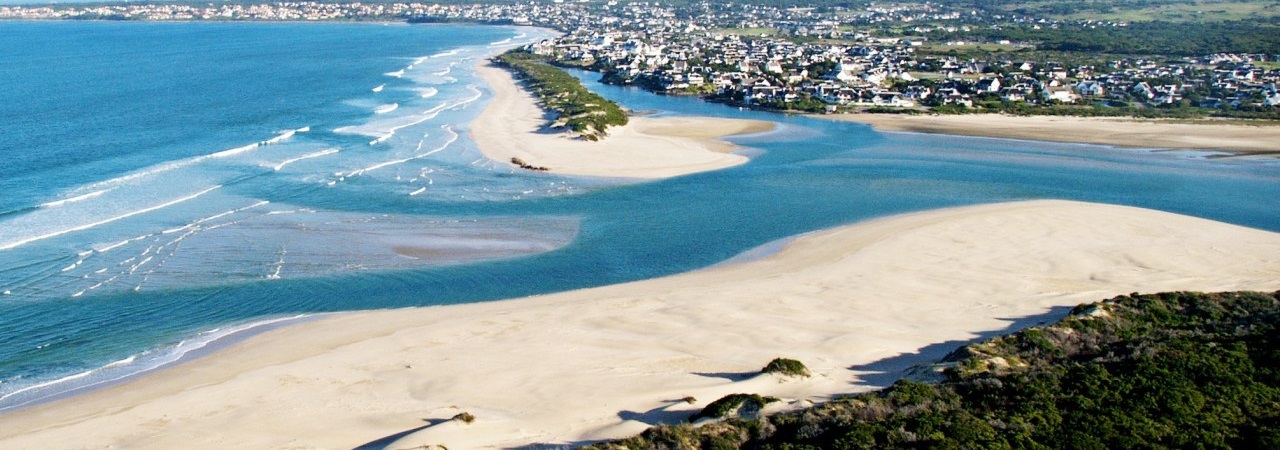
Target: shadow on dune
(884, 372)
(659, 415)
(878, 374)
(383, 442)
(555, 446)
(731, 376)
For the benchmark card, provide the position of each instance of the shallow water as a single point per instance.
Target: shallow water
(168, 183)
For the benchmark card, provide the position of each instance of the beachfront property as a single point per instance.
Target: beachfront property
(777, 72)
(591, 364)
(787, 58)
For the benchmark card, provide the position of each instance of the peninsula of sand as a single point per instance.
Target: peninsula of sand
(514, 126)
(857, 304)
(1233, 137)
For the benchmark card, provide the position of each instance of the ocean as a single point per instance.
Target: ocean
(171, 186)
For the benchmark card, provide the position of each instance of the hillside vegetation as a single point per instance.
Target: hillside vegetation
(577, 109)
(1182, 370)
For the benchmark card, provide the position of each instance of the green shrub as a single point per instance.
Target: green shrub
(1175, 370)
(734, 404)
(788, 367)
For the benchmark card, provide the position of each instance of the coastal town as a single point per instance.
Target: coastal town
(881, 58)
(640, 225)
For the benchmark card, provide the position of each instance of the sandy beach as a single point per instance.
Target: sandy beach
(513, 126)
(1232, 137)
(854, 303)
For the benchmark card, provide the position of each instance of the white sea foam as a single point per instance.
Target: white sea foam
(165, 167)
(382, 138)
(28, 240)
(231, 152)
(435, 110)
(279, 265)
(419, 191)
(122, 362)
(181, 228)
(500, 43)
(428, 92)
(284, 136)
(143, 262)
(396, 74)
(279, 138)
(453, 137)
(120, 244)
(477, 95)
(57, 203)
(386, 108)
(230, 212)
(318, 154)
(444, 54)
(379, 88)
(382, 132)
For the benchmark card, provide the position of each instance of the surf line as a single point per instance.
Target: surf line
(167, 204)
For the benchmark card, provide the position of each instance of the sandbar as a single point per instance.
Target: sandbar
(1236, 137)
(852, 303)
(514, 126)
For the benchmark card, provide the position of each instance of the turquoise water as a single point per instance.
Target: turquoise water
(169, 184)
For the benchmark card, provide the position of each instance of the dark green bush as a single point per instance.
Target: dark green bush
(1174, 370)
(784, 366)
(741, 404)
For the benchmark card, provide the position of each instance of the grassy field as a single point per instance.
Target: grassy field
(1182, 11)
(942, 47)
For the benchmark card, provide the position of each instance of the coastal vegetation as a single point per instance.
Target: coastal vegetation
(577, 109)
(787, 367)
(736, 405)
(1179, 369)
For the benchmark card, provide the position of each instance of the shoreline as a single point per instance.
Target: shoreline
(1234, 138)
(607, 362)
(514, 126)
(238, 333)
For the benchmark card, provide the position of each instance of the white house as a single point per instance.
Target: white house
(1090, 88)
(987, 85)
(1271, 99)
(1061, 94)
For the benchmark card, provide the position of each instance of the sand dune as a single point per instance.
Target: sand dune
(513, 126)
(606, 362)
